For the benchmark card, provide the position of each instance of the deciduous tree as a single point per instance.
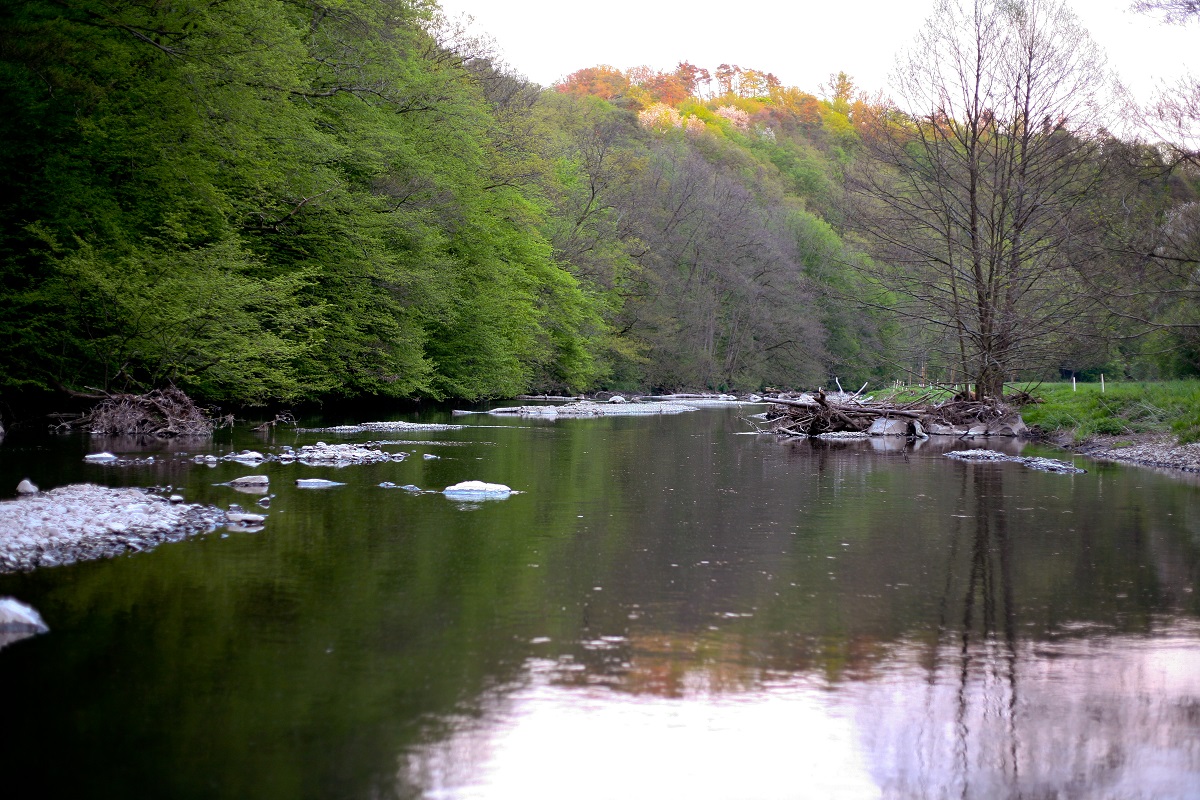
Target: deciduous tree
(976, 195)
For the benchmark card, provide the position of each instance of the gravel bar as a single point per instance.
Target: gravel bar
(84, 521)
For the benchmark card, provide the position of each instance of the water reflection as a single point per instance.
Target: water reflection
(981, 697)
(667, 609)
(1114, 716)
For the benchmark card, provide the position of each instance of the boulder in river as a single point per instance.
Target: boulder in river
(18, 621)
(477, 490)
(250, 480)
(251, 484)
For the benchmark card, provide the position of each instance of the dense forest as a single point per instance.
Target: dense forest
(276, 201)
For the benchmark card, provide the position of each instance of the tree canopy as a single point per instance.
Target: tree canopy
(262, 201)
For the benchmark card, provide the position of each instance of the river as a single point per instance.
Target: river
(672, 606)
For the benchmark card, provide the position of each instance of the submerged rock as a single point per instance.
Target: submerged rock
(316, 483)
(1033, 462)
(408, 487)
(250, 480)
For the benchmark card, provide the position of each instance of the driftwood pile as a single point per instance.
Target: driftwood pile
(163, 413)
(819, 413)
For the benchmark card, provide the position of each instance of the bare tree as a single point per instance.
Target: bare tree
(1176, 11)
(1162, 242)
(974, 194)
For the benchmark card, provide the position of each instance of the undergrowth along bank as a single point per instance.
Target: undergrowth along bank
(1086, 410)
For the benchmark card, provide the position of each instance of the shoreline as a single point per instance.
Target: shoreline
(1158, 450)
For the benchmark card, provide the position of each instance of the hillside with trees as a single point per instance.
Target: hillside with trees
(266, 202)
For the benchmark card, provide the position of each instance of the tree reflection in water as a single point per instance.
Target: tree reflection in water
(1086, 713)
(988, 694)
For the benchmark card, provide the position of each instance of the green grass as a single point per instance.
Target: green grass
(1122, 408)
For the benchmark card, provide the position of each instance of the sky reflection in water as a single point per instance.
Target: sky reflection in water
(667, 609)
(1095, 717)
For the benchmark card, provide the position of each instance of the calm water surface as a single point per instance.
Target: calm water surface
(671, 608)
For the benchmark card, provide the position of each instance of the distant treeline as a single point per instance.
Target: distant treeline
(278, 200)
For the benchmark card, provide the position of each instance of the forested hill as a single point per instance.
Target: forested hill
(262, 200)
(280, 200)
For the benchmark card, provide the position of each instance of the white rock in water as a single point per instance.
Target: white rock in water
(105, 456)
(250, 480)
(316, 483)
(616, 398)
(470, 489)
(15, 616)
(26, 487)
(246, 519)
(246, 455)
(176, 498)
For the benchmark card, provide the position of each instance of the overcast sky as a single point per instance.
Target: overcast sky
(801, 41)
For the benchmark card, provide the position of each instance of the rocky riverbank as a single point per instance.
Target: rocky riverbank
(85, 521)
(1145, 450)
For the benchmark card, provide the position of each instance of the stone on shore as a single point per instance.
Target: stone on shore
(27, 487)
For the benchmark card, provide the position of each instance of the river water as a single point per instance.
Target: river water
(669, 608)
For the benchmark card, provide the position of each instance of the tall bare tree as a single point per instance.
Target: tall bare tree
(973, 197)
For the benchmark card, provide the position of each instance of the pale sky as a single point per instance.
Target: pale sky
(801, 41)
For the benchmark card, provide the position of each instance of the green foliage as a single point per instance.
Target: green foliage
(1123, 407)
(261, 201)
